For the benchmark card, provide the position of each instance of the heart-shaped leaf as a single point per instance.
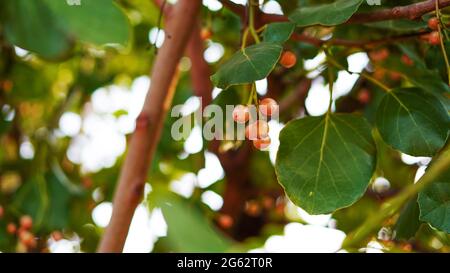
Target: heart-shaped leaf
(327, 14)
(413, 121)
(248, 65)
(99, 22)
(33, 26)
(434, 203)
(278, 32)
(326, 163)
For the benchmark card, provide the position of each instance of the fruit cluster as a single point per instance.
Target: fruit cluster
(434, 38)
(26, 239)
(257, 131)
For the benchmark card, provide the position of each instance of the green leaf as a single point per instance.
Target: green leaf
(278, 32)
(326, 163)
(413, 121)
(33, 26)
(99, 22)
(434, 203)
(248, 65)
(188, 230)
(331, 14)
(408, 223)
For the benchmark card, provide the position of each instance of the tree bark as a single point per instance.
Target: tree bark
(149, 124)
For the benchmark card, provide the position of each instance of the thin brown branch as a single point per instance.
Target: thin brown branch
(358, 44)
(411, 12)
(296, 97)
(200, 71)
(149, 124)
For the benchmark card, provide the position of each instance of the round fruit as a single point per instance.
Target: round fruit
(11, 228)
(364, 96)
(241, 114)
(257, 130)
(2, 211)
(27, 238)
(407, 60)
(434, 38)
(433, 23)
(87, 182)
(379, 55)
(26, 222)
(253, 209)
(288, 59)
(395, 76)
(268, 107)
(225, 221)
(268, 202)
(261, 143)
(206, 34)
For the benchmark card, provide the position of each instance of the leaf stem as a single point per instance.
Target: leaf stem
(390, 207)
(331, 86)
(251, 25)
(244, 39)
(441, 38)
(255, 95)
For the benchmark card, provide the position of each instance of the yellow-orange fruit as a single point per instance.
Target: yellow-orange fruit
(241, 114)
(288, 59)
(433, 23)
(257, 130)
(206, 34)
(262, 144)
(26, 222)
(268, 107)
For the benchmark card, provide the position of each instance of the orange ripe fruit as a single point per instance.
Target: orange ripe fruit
(257, 130)
(252, 208)
(288, 59)
(26, 222)
(395, 76)
(407, 60)
(11, 228)
(379, 55)
(434, 38)
(268, 202)
(2, 211)
(7, 85)
(261, 143)
(206, 34)
(241, 114)
(433, 23)
(27, 238)
(268, 107)
(225, 221)
(364, 96)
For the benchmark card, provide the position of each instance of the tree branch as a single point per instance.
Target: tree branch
(200, 70)
(411, 12)
(356, 44)
(149, 124)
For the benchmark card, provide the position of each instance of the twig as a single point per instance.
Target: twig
(411, 12)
